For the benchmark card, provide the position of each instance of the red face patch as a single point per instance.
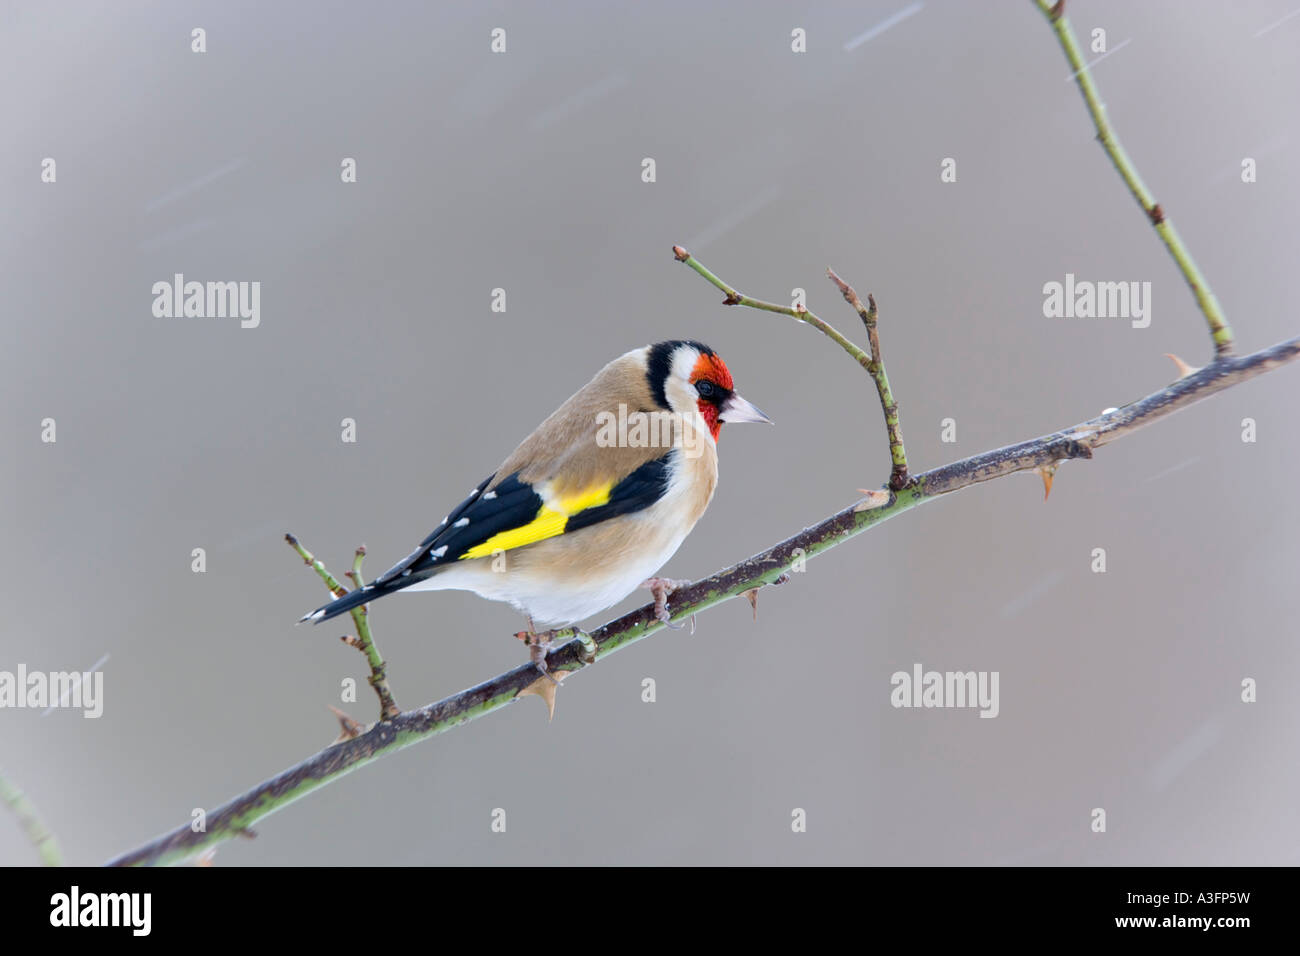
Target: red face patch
(710, 414)
(713, 369)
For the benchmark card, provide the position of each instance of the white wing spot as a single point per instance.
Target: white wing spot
(489, 496)
(461, 523)
(438, 552)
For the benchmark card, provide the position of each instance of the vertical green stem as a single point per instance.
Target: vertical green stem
(1220, 331)
(897, 454)
(388, 708)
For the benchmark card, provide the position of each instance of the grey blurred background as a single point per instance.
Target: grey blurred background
(522, 171)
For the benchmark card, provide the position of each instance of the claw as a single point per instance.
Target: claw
(662, 589)
(539, 645)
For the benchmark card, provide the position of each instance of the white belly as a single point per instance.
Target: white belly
(564, 591)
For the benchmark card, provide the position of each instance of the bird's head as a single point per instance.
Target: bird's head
(688, 377)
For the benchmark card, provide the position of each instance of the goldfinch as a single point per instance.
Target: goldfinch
(592, 503)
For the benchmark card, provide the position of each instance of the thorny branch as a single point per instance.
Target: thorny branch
(1078, 441)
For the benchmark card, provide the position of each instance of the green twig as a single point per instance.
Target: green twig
(869, 315)
(1220, 331)
(355, 574)
(803, 315)
(41, 838)
(872, 361)
(363, 641)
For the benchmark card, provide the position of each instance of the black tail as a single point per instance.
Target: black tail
(356, 598)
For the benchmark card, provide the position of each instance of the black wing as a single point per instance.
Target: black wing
(514, 504)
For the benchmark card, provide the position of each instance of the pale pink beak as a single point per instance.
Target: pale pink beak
(736, 409)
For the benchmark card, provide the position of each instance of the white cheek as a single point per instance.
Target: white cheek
(683, 364)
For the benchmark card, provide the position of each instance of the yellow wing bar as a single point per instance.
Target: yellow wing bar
(549, 521)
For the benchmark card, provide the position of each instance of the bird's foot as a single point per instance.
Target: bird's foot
(539, 645)
(662, 589)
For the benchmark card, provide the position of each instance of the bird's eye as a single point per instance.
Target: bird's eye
(706, 389)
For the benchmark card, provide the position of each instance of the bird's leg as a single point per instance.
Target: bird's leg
(539, 645)
(662, 589)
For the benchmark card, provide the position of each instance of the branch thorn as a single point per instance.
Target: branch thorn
(545, 688)
(874, 499)
(1047, 473)
(1184, 369)
(350, 728)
